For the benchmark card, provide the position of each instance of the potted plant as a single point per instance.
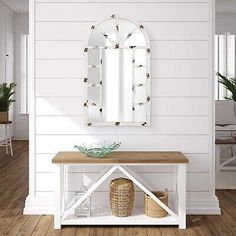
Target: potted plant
(6, 92)
(229, 84)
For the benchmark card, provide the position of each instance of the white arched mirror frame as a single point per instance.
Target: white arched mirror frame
(115, 45)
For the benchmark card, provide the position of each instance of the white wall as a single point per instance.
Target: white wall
(225, 16)
(6, 48)
(21, 124)
(181, 44)
(226, 23)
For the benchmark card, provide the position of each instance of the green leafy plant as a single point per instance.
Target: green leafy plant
(6, 92)
(229, 84)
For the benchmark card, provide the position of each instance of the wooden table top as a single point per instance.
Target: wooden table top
(5, 122)
(130, 157)
(226, 141)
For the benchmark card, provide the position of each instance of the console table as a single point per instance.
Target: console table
(224, 165)
(121, 161)
(7, 142)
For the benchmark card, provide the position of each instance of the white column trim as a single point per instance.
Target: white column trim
(32, 184)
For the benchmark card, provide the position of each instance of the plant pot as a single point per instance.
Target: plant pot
(3, 116)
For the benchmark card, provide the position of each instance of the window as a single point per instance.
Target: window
(224, 61)
(24, 73)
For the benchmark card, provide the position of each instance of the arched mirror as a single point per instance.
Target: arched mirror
(117, 74)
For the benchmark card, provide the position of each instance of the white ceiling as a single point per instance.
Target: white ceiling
(226, 6)
(19, 6)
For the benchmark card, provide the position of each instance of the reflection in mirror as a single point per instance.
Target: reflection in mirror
(93, 113)
(117, 86)
(118, 74)
(93, 75)
(140, 75)
(93, 56)
(140, 113)
(140, 57)
(93, 96)
(140, 94)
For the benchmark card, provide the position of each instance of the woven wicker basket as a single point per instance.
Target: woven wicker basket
(153, 209)
(121, 197)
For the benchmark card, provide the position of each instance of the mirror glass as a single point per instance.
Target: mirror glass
(117, 74)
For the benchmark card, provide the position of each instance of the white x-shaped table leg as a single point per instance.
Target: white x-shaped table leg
(131, 175)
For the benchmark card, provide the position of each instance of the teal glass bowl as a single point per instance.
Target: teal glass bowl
(98, 150)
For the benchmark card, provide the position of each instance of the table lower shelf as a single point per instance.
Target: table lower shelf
(104, 217)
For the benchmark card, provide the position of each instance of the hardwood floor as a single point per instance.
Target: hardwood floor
(14, 189)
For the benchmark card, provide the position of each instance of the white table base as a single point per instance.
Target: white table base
(63, 216)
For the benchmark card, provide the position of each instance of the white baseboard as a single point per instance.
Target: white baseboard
(38, 206)
(206, 206)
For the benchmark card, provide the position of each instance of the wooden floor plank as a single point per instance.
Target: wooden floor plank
(11, 209)
(52, 231)
(153, 231)
(125, 231)
(13, 183)
(68, 231)
(108, 231)
(42, 226)
(218, 224)
(14, 189)
(96, 231)
(228, 213)
(192, 227)
(29, 226)
(167, 231)
(139, 231)
(82, 231)
(16, 225)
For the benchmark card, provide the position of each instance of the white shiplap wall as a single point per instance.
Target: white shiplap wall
(181, 45)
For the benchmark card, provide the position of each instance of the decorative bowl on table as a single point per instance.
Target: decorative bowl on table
(98, 150)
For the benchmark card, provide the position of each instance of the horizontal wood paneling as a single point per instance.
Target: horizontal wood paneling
(163, 30)
(159, 125)
(62, 50)
(159, 87)
(197, 163)
(60, 88)
(61, 106)
(180, 88)
(59, 68)
(45, 181)
(57, 106)
(159, 68)
(102, 198)
(179, 106)
(156, 11)
(179, 50)
(183, 143)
